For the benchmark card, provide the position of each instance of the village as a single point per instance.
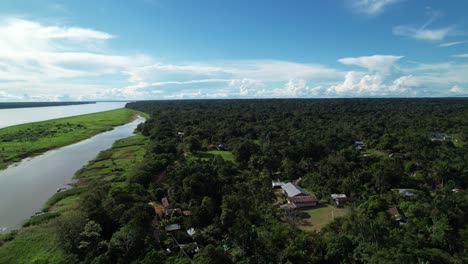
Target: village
(297, 206)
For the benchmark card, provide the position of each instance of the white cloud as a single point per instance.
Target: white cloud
(456, 89)
(375, 63)
(35, 56)
(450, 44)
(372, 7)
(297, 88)
(423, 33)
(461, 55)
(246, 87)
(359, 84)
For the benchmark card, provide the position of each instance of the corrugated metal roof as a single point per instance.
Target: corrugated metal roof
(303, 199)
(292, 189)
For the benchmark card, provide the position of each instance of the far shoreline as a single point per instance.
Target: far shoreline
(12, 105)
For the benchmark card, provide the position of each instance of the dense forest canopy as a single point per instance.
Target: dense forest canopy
(204, 191)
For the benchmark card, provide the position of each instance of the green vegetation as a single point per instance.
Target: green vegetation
(113, 164)
(21, 141)
(119, 218)
(39, 240)
(33, 245)
(209, 155)
(317, 218)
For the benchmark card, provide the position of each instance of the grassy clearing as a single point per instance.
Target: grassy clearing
(35, 244)
(315, 219)
(376, 153)
(21, 141)
(116, 163)
(208, 155)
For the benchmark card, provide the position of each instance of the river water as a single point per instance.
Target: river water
(26, 186)
(16, 116)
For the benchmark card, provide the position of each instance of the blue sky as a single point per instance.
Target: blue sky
(171, 49)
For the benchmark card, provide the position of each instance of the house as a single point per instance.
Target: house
(341, 201)
(292, 190)
(337, 195)
(303, 201)
(406, 192)
(440, 136)
(221, 147)
(397, 215)
(165, 202)
(359, 145)
(277, 184)
(187, 213)
(172, 227)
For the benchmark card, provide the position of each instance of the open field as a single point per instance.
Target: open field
(21, 141)
(35, 244)
(316, 218)
(114, 164)
(208, 155)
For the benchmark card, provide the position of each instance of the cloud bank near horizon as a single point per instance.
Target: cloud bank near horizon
(53, 62)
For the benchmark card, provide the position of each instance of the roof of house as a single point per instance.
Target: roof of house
(337, 195)
(406, 192)
(293, 189)
(277, 184)
(187, 212)
(394, 211)
(303, 199)
(165, 202)
(172, 227)
(344, 199)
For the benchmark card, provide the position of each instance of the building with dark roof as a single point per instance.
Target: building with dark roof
(303, 201)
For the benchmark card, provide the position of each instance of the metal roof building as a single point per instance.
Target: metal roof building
(291, 190)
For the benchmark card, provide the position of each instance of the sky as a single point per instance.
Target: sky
(53, 50)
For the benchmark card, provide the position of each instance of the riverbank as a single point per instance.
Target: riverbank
(37, 243)
(27, 140)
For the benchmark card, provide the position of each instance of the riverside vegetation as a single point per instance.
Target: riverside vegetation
(25, 140)
(109, 218)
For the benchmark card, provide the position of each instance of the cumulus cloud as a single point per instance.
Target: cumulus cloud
(461, 55)
(372, 7)
(375, 63)
(359, 84)
(297, 88)
(457, 90)
(35, 56)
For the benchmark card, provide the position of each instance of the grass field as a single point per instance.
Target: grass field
(35, 244)
(21, 141)
(208, 155)
(314, 219)
(114, 164)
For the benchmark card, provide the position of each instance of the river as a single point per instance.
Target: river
(16, 116)
(26, 186)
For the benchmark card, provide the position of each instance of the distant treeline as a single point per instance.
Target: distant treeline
(39, 104)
